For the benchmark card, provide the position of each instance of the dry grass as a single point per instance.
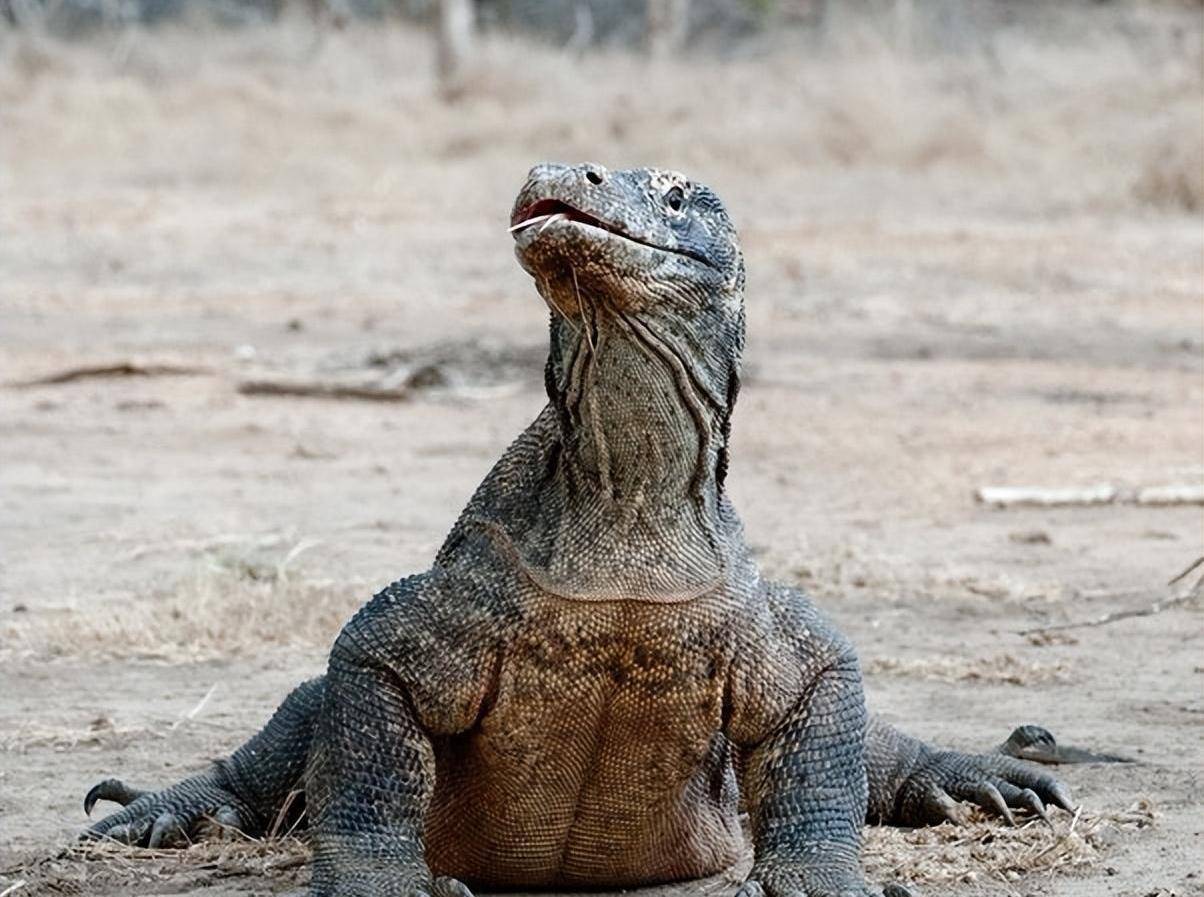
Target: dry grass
(983, 852)
(1105, 119)
(1002, 669)
(993, 855)
(101, 732)
(105, 868)
(239, 606)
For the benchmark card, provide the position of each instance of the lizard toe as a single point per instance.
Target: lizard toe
(113, 790)
(167, 831)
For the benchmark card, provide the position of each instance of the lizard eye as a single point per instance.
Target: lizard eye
(675, 199)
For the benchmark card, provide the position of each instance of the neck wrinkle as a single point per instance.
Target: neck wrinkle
(624, 448)
(636, 480)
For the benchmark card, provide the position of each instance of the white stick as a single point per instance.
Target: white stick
(1176, 494)
(1099, 494)
(1012, 496)
(191, 714)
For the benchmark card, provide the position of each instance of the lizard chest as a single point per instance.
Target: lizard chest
(616, 696)
(604, 725)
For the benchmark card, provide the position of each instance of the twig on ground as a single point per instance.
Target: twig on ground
(1013, 496)
(1087, 496)
(282, 817)
(1156, 608)
(1173, 494)
(295, 552)
(1149, 610)
(191, 714)
(320, 390)
(117, 369)
(1192, 566)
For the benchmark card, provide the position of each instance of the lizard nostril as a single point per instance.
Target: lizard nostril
(594, 177)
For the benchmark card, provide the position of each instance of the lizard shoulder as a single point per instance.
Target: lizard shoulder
(783, 646)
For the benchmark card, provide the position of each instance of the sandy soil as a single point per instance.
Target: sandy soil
(1004, 289)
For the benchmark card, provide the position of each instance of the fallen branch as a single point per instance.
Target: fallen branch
(1085, 496)
(1156, 608)
(1180, 494)
(320, 390)
(117, 369)
(1192, 566)
(1012, 496)
(1149, 610)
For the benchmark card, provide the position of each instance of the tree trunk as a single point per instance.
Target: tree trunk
(666, 26)
(455, 37)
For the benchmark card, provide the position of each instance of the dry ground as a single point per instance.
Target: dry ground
(985, 268)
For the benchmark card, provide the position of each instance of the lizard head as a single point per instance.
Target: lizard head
(643, 272)
(642, 240)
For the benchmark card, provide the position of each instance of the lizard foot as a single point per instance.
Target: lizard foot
(814, 880)
(168, 818)
(406, 881)
(998, 784)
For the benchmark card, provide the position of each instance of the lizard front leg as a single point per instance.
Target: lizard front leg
(805, 785)
(798, 717)
(399, 676)
(370, 781)
(256, 789)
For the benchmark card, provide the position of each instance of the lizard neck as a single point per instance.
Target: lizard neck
(637, 484)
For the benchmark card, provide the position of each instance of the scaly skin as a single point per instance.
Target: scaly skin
(564, 699)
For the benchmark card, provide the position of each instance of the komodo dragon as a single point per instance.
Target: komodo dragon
(593, 679)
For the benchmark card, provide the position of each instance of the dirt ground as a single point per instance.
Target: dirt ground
(962, 273)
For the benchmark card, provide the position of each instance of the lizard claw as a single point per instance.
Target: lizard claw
(1029, 800)
(166, 818)
(111, 789)
(988, 797)
(998, 784)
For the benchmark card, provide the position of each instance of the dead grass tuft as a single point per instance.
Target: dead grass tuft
(1002, 669)
(981, 852)
(106, 868)
(101, 732)
(237, 608)
(986, 852)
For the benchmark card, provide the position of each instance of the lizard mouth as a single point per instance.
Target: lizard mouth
(545, 212)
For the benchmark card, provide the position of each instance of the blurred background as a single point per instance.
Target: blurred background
(262, 333)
